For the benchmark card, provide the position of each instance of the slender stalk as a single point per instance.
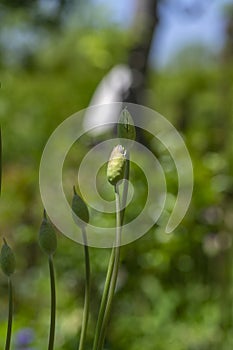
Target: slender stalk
(10, 315)
(115, 271)
(87, 292)
(104, 299)
(53, 304)
(126, 187)
(111, 264)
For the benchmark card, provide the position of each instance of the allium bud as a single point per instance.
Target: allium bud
(116, 165)
(7, 259)
(80, 210)
(47, 236)
(126, 128)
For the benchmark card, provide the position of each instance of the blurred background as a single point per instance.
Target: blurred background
(174, 291)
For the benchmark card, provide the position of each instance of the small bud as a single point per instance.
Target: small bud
(7, 259)
(116, 165)
(47, 236)
(80, 210)
(126, 128)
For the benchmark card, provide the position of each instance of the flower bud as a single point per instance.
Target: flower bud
(126, 128)
(80, 210)
(47, 236)
(116, 165)
(7, 259)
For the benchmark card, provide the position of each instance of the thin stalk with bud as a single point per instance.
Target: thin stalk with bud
(81, 218)
(48, 243)
(118, 170)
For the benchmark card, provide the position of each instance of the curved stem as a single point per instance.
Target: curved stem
(53, 304)
(87, 293)
(115, 271)
(10, 315)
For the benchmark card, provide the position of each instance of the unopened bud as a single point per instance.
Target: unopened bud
(116, 165)
(126, 128)
(7, 259)
(47, 236)
(80, 210)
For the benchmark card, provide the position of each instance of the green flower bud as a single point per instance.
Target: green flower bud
(47, 236)
(7, 259)
(116, 165)
(80, 210)
(126, 128)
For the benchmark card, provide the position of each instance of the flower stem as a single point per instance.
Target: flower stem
(53, 304)
(111, 264)
(104, 299)
(10, 315)
(126, 187)
(115, 271)
(87, 293)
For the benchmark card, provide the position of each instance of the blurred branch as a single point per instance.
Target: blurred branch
(228, 49)
(144, 26)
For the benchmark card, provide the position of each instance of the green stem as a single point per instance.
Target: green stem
(87, 293)
(115, 271)
(10, 315)
(125, 188)
(104, 299)
(111, 264)
(53, 304)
